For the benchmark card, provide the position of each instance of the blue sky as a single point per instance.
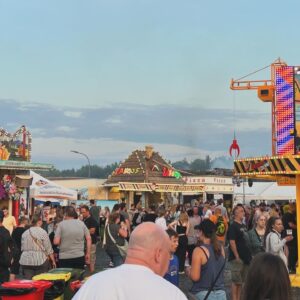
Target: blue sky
(110, 76)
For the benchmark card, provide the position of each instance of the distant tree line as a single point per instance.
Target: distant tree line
(96, 171)
(197, 166)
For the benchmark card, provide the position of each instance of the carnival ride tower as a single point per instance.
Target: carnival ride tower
(282, 90)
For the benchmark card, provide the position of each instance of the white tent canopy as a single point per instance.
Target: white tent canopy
(264, 191)
(44, 189)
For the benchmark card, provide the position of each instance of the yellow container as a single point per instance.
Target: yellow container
(52, 277)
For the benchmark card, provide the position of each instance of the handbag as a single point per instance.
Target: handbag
(38, 243)
(122, 249)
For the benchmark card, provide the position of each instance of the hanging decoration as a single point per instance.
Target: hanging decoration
(234, 147)
(171, 173)
(120, 171)
(8, 188)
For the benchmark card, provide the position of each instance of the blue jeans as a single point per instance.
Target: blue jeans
(117, 259)
(214, 295)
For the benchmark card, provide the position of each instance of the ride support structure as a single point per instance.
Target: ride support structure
(283, 165)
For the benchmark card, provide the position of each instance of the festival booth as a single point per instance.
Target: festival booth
(15, 166)
(264, 191)
(215, 187)
(148, 178)
(43, 190)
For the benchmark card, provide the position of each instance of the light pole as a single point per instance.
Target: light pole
(77, 152)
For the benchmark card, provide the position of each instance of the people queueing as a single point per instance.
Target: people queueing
(74, 240)
(141, 275)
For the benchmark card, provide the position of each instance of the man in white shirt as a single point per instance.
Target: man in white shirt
(141, 276)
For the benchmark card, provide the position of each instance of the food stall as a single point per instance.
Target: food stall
(146, 177)
(15, 166)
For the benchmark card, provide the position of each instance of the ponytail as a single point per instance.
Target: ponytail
(216, 245)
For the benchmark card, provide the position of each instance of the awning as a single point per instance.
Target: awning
(43, 188)
(157, 187)
(23, 165)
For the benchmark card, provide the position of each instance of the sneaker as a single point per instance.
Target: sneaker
(110, 265)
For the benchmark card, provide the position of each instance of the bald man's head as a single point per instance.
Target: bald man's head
(149, 245)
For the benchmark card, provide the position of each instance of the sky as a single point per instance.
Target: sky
(106, 77)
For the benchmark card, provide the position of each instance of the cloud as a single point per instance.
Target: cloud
(65, 129)
(73, 114)
(105, 151)
(111, 132)
(113, 120)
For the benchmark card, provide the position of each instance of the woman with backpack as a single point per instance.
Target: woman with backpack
(221, 225)
(208, 262)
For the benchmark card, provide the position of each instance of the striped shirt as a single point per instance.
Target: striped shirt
(35, 253)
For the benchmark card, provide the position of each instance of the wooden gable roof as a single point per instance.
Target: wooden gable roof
(138, 168)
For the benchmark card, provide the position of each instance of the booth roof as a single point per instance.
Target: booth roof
(137, 164)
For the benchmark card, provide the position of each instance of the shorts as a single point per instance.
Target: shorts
(238, 271)
(93, 253)
(214, 295)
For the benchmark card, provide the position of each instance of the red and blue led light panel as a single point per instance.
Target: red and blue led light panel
(285, 110)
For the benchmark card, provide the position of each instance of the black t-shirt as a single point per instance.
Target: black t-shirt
(237, 233)
(17, 236)
(90, 222)
(149, 217)
(286, 219)
(6, 248)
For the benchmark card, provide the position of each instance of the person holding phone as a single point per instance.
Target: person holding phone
(273, 242)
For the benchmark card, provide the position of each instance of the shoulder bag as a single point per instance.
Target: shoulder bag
(122, 249)
(39, 244)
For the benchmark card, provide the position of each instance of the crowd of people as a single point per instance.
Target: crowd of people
(157, 245)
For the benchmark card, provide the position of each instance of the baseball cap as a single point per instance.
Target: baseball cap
(207, 227)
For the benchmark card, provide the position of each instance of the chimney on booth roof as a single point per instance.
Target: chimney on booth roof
(149, 151)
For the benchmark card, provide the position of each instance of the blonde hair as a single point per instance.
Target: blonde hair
(183, 217)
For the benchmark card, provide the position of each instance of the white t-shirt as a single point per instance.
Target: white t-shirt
(208, 214)
(128, 281)
(161, 222)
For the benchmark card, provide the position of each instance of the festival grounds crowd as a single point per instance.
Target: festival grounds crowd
(151, 249)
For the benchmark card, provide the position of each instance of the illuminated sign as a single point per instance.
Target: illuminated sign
(285, 116)
(16, 146)
(163, 188)
(269, 165)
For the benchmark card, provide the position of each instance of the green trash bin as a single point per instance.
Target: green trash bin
(76, 274)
